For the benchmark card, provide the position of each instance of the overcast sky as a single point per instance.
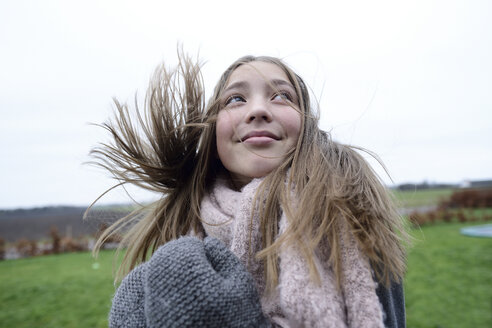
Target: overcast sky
(409, 80)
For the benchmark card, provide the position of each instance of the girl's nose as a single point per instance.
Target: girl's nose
(259, 112)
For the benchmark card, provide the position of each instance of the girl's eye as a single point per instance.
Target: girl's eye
(282, 96)
(234, 99)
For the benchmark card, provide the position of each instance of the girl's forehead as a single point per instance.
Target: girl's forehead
(257, 69)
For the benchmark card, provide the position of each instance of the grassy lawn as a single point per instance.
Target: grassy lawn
(449, 284)
(420, 198)
(449, 279)
(67, 290)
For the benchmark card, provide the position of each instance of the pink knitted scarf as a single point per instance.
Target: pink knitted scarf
(297, 301)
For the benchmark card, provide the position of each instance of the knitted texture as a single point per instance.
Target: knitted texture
(128, 303)
(393, 301)
(297, 302)
(226, 215)
(359, 288)
(188, 283)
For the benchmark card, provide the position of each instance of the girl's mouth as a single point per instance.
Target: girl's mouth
(259, 137)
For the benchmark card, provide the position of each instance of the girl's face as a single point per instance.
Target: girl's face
(259, 121)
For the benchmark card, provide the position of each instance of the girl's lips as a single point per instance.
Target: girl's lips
(259, 137)
(258, 141)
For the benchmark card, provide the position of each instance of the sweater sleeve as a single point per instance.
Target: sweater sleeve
(128, 303)
(194, 283)
(188, 283)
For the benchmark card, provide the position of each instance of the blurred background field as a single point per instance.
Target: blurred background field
(448, 284)
(449, 278)
(421, 198)
(64, 290)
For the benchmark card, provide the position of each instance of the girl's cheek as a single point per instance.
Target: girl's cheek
(224, 124)
(229, 117)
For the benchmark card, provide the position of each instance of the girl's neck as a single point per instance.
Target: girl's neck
(237, 182)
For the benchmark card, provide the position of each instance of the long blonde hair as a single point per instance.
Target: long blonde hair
(171, 149)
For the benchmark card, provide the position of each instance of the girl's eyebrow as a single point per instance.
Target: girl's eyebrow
(244, 84)
(237, 85)
(279, 82)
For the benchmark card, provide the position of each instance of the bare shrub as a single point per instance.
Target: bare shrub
(469, 198)
(69, 244)
(432, 216)
(417, 218)
(55, 237)
(2, 249)
(23, 247)
(47, 251)
(33, 248)
(447, 216)
(461, 216)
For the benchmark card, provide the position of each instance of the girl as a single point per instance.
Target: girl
(303, 221)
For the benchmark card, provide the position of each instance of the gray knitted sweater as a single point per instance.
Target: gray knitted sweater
(194, 283)
(213, 290)
(188, 283)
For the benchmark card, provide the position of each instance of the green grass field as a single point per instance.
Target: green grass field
(449, 284)
(421, 198)
(449, 279)
(56, 291)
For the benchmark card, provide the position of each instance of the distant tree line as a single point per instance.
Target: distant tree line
(426, 185)
(464, 205)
